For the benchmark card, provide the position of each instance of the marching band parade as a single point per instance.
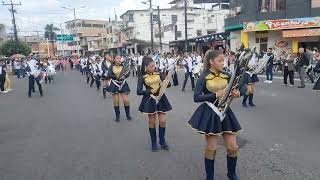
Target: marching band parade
(227, 90)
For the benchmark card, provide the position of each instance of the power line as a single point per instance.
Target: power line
(13, 11)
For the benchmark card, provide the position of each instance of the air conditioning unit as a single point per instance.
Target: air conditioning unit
(238, 9)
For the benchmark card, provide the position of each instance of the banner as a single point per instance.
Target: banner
(301, 33)
(277, 24)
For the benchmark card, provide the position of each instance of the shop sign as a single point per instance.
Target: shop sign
(301, 33)
(295, 23)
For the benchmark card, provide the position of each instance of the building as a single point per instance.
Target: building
(274, 23)
(90, 36)
(35, 42)
(201, 22)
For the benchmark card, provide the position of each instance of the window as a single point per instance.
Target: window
(315, 3)
(130, 18)
(199, 33)
(141, 14)
(178, 34)
(271, 5)
(174, 18)
(209, 19)
(155, 17)
(78, 24)
(190, 20)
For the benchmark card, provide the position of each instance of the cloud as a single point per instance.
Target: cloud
(33, 15)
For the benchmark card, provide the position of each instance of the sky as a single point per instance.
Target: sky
(33, 15)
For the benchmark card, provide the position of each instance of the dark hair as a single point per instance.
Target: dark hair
(145, 62)
(211, 54)
(270, 49)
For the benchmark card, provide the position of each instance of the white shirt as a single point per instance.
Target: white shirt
(140, 60)
(33, 67)
(187, 61)
(171, 63)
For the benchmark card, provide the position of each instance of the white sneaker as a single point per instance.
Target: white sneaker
(291, 85)
(270, 82)
(8, 90)
(266, 81)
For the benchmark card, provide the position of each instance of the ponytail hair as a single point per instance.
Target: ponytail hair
(145, 62)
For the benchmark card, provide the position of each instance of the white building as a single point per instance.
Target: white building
(200, 22)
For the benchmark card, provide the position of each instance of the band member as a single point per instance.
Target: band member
(248, 86)
(187, 65)
(208, 119)
(105, 68)
(33, 73)
(3, 74)
(172, 65)
(119, 88)
(152, 80)
(87, 70)
(269, 67)
(98, 72)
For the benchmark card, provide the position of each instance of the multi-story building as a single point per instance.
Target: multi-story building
(200, 22)
(90, 35)
(274, 23)
(35, 43)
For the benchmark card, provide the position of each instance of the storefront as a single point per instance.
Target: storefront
(282, 33)
(212, 41)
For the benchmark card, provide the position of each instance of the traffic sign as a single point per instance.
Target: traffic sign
(64, 37)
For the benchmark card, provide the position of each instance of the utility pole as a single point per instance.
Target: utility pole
(75, 25)
(13, 11)
(62, 42)
(151, 26)
(185, 25)
(159, 25)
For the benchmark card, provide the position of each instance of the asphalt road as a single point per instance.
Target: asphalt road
(70, 134)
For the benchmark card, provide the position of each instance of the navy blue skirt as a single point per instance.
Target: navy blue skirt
(206, 121)
(115, 89)
(148, 105)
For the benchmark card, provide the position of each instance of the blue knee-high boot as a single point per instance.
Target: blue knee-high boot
(232, 164)
(209, 163)
(117, 111)
(162, 140)
(153, 135)
(127, 109)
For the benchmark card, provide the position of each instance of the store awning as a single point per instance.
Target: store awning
(301, 33)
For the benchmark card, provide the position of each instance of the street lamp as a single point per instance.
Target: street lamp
(75, 24)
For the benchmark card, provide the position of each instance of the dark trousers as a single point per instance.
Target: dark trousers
(98, 83)
(139, 71)
(31, 85)
(175, 79)
(2, 81)
(287, 73)
(92, 80)
(186, 77)
(269, 73)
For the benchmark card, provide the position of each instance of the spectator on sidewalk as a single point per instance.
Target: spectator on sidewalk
(269, 66)
(301, 65)
(288, 68)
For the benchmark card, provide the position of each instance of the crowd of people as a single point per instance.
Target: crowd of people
(210, 75)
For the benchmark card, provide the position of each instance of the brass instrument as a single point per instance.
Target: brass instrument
(234, 82)
(164, 85)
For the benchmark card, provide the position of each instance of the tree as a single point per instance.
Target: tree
(50, 32)
(9, 48)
